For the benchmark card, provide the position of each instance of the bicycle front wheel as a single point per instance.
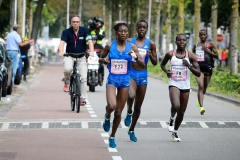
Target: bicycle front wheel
(72, 92)
(78, 92)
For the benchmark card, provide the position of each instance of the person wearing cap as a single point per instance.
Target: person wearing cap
(13, 43)
(24, 51)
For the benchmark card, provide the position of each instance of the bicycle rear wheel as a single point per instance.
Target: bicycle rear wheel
(78, 92)
(72, 92)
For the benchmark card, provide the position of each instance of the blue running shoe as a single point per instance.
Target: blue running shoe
(112, 143)
(106, 125)
(128, 120)
(132, 136)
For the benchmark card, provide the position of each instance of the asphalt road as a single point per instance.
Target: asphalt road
(37, 124)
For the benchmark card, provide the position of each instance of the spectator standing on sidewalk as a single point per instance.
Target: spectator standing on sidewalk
(24, 52)
(13, 43)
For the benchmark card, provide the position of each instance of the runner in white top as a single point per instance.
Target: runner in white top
(181, 63)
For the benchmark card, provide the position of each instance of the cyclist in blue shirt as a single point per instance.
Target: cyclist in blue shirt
(139, 76)
(120, 54)
(75, 39)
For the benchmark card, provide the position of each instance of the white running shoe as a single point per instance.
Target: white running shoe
(170, 125)
(175, 137)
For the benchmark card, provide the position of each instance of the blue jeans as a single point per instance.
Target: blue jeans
(13, 55)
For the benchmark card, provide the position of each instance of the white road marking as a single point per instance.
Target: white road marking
(112, 150)
(238, 122)
(123, 125)
(116, 158)
(183, 122)
(220, 122)
(143, 122)
(106, 141)
(93, 115)
(84, 124)
(5, 125)
(45, 125)
(104, 135)
(203, 124)
(91, 111)
(88, 105)
(25, 123)
(65, 123)
(163, 124)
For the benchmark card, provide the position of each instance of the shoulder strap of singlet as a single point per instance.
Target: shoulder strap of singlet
(174, 53)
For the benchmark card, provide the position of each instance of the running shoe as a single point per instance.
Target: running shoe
(112, 143)
(170, 125)
(202, 110)
(65, 87)
(128, 120)
(175, 137)
(132, 136)
(106, 125)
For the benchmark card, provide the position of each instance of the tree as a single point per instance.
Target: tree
(168, 25)
(197, 8)
(180, 16)
(214, 21)
(12, 14)
(157, 35)
(233, 37)
(37, 19)
(0, 2)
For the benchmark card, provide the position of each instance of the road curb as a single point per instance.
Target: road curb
(221, 97)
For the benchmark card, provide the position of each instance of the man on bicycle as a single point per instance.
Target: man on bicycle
(75, 39)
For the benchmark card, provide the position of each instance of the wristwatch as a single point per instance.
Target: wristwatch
(190, 66)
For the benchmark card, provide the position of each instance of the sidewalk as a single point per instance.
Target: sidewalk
(42, 99)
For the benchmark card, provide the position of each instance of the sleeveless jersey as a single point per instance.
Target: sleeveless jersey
(142, 49)
(120, 62)
(180, 73)
(203, 57)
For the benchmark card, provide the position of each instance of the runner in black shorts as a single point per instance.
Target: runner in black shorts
(205, 52)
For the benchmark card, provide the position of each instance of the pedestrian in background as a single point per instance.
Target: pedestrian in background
(13, 42)
(24, 52)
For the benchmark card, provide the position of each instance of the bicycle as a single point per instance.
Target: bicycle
(75, 85)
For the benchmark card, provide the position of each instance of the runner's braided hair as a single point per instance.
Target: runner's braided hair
(180, 34)
(116, 26)
(142, 20)
(203, 30)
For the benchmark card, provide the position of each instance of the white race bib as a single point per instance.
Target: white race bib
(119, 66)
(179, 73)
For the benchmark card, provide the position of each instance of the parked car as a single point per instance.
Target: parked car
(5, 72)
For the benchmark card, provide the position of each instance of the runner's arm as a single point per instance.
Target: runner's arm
(102, 59)
(139, 57)
(194, 68)
(153, 53)
(165, 60)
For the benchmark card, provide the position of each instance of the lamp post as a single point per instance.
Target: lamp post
(149, 18)
(120, 12)
(68, 2)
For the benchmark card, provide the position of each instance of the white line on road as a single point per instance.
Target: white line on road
(183, 122)
(104, 135)
(220, 122)
(123, 125)
(106, 141)
(238, 122)
(93, 115)
(5, 125)
(116, 157)
(65, 123)
(88, 105)
(45, 125)
(163, 124)
(143, 122)
(112, 150)
(91, 111)
(25, 123)
(203, 124)
(84, 124)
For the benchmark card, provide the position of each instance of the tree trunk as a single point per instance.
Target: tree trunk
(233, 38)
(168, 25)
(197, 8)
(180, 16)
(214, 26)
(19, 17)
(12, 14)
(30, 18)
(37, 19)
(157, 35)
(0, 2)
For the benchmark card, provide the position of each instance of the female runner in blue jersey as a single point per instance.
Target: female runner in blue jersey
(139, 76)
(120, 54)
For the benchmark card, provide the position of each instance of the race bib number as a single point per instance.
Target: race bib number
(119, 66)
(200, 55)
(179, 73)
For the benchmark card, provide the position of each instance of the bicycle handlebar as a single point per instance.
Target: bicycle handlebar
(75, 55)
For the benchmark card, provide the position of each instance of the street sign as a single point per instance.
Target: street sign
(219, 37)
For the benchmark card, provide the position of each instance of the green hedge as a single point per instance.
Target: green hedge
(221, 82)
